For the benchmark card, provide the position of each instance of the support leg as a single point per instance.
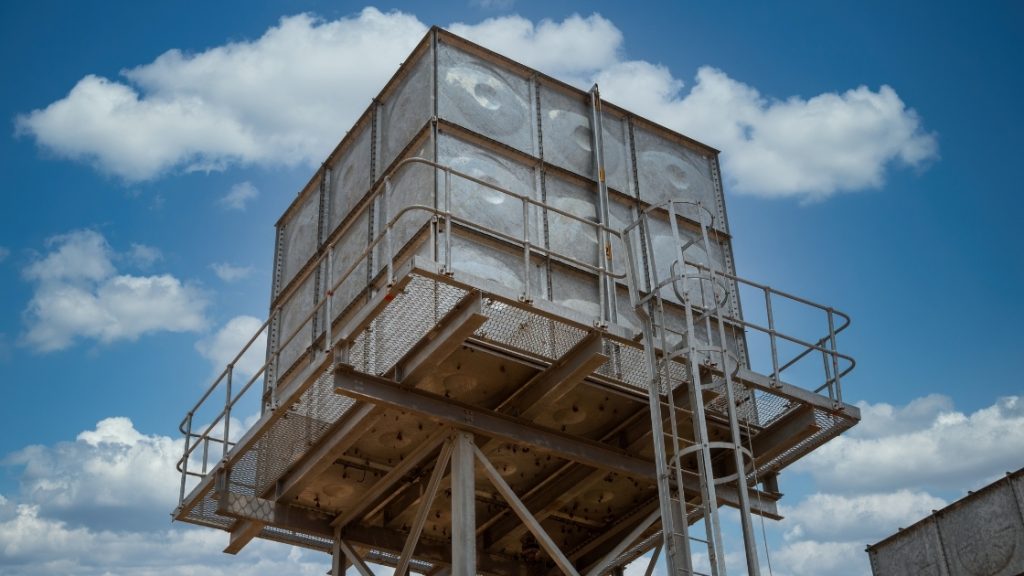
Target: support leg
(463, 506)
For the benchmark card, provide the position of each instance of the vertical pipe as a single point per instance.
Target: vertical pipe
(463, 487)
(606, 287)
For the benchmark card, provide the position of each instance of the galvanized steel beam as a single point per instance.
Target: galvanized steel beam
(385, 392)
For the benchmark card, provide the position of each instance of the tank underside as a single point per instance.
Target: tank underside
(557, 407)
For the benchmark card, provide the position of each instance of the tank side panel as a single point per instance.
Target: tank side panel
(667, 170)
(484, 97)
(351, 177)
(489, 208)
(406, 109)
(984, 534)
(913, 552)
(412, 186)
(293, 311)
(299, 236)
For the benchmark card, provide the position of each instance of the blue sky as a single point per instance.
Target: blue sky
(896, 199)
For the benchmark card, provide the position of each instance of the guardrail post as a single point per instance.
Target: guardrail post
(387, 231)
(776, 378)
(835, 359)
(526, 251)
(448, 221)
(227, 411)
(185, 455)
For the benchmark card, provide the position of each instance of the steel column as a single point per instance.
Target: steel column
(463, 506)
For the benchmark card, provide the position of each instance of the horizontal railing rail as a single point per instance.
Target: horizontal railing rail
(826, 345)
(218, 430)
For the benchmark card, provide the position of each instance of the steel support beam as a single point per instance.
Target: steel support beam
(421, 515)
(242, 532)
(534, 526)
(650, 514)
(460, 323)
(385, 486)
(556, 381)
(353, 557)
(387, 393)
(784, 433)
(319, 459)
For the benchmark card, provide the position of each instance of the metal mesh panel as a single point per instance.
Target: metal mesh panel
(628, 365)
(528, 332)
(389, 559)
(297, 538)
(304, 423)
(831, 426)
(205, 513)
(403, 323)
(770, 407)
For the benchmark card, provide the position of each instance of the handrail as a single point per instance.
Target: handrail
(826, 345)
(381, 189)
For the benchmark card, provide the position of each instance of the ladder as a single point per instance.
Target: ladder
(690, 361)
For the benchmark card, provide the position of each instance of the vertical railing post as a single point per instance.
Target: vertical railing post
(447, 220)
(776, 379)
(838, 397)
(527, 296)
(329, 305)
(185, 456)
(227, 411)
(277, 358)
(387, 231)
(206, 453)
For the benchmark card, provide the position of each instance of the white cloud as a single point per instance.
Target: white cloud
(809, 149)
(867, 517)
(4, 253)
(239, 196)
(811, 558)
(230, 273)
(33, 544)
(883, 475)
(282, 99)
(144, 256)
(287, 97)
(79, 294)
(222, 347)
(948, 449)
(110, 472)
(493, 4)
(82, 255)
(574, 47)
(98, 506)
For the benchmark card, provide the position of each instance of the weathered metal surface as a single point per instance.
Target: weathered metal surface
(484, 97)
(455, 143)
(406, 107)
(981, 534)
(299, 237)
